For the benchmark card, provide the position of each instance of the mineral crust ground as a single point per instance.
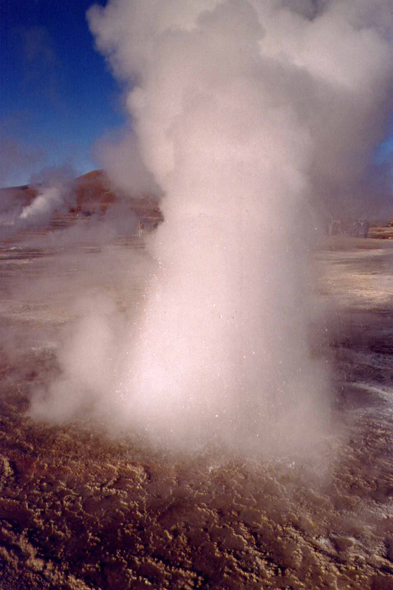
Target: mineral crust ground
(81, 511)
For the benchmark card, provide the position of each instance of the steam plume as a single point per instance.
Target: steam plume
(253, 118)
(54, 192)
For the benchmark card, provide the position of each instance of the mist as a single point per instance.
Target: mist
(52, 190)
(255, 120)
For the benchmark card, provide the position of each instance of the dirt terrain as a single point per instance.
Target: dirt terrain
(81, 511)
(92, 193)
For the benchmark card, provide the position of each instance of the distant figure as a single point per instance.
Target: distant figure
(336, 227)
(356, 229)
(141, 227)
(329, 225)
(365, 226)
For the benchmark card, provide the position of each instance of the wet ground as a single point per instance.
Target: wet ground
(79, 511)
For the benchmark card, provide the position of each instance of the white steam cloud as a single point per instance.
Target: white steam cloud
(254, 118)
(54, 193)
(43, 205)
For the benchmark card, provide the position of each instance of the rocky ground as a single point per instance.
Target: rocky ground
(80, 511)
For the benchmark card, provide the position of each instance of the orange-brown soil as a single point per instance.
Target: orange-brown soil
(80, 511)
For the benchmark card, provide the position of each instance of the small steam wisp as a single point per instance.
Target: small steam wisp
(53, 188)
(43, 205)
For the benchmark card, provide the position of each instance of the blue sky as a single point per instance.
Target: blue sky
(57, 96)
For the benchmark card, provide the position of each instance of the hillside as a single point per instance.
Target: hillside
(94, 194)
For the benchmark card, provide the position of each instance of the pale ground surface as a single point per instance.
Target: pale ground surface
(81, 512)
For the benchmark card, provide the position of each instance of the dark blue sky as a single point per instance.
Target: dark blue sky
(57, 96)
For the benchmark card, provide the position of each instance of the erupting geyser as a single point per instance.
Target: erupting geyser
(250, 116)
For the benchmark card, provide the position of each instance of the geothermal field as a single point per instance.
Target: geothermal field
(87, 505)
(196, 345)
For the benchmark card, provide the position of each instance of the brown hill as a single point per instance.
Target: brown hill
(93, 194)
